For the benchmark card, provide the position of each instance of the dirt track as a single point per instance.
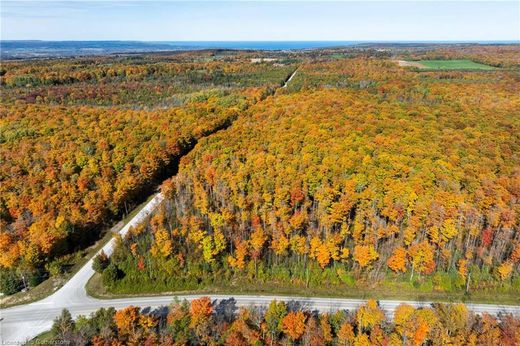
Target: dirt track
(404, 63)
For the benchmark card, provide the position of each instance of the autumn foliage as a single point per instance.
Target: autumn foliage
(200, 310)
(83, 141)
(360, 171)
(440, 324)
(294, 324)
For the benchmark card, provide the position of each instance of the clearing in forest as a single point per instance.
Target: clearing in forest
(447, 65)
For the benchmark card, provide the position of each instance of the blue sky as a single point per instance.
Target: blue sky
(262, 20)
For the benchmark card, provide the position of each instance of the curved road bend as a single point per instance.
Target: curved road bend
(24, 322)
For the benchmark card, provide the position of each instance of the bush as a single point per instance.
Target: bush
(329, 275)
(36, 277)
(281, 273)
(346, 278)
(100, 262)
(10, 282)
(515, 283)
(110, 274)
(54, 268)
(416, 283)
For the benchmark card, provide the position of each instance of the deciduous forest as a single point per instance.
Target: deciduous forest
(83, 140)
(359, 174)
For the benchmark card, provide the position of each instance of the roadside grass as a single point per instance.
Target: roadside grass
(398, 290)
(42, 339)
(53, 283)
(463, 64)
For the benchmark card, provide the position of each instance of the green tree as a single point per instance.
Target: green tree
(100, 262)
(63, 326)
(274, 316)
(110, 274)
(10, 282)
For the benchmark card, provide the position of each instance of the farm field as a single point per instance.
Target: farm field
(450, 65)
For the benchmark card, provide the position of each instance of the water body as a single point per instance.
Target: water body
(50, 49)
(46, 49)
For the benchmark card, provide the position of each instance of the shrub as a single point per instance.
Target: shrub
(100, 262)
(515, 283)
(110, 274)
(36, 277)
(10, 282)
(54, 268)
(345, 277)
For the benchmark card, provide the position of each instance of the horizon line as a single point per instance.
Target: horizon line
(187, 41)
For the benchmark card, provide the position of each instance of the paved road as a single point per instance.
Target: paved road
(28, 321)
(24, 322)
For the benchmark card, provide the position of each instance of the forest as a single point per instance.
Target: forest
(82, 141)
(359, 174)
(203, 322)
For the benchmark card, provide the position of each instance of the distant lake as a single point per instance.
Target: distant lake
(35, 49)
(47, 49)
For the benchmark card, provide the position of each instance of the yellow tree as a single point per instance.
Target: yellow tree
(163, 244)
(294, 324)
(241, 251)
(323, 255)
(369, 315)
(346, 334)
(504, 270)
(397, 262)
(365, 255)
(422, 257)
(298, 244)
(280, 245)
(448, 230)
(258, 239)
(127, 320)
(462, 268)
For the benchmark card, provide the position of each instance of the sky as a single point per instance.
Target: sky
(261, 20)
